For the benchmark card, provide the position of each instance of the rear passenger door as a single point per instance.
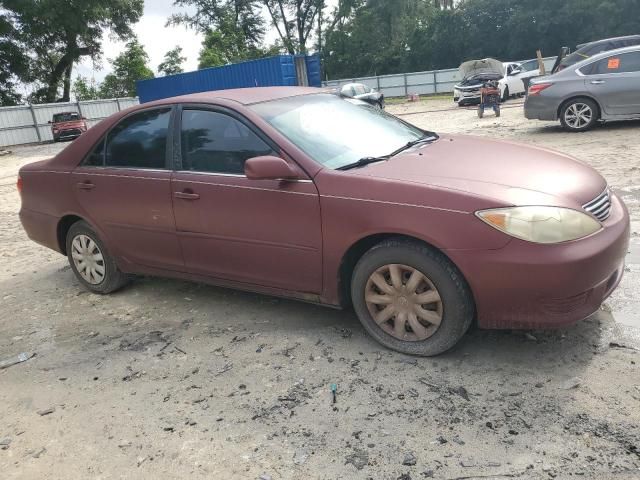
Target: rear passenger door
(124, 187)
(615, 82)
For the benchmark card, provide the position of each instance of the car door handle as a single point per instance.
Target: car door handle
(186, 195)
(597, 82)
(86, 185)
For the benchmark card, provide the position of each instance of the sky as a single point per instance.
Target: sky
(157, 40)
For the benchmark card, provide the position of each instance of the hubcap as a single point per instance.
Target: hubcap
(404, 302)
(88, 259)
(578, 115)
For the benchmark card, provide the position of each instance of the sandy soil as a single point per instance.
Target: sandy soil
(169, 379)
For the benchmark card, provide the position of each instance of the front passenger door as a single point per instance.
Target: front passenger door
(260, 232)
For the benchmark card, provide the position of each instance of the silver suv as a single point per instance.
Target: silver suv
(602, 88)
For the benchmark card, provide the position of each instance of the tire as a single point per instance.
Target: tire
(112, 278)
(505, 95)
(454, 307)
(579, 115)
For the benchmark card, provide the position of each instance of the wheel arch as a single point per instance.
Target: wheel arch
(355, 252)
(64, 224)
(577, 97)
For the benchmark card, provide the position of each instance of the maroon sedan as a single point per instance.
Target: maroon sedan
(300, 193)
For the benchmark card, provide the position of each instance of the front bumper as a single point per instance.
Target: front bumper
(527, 285)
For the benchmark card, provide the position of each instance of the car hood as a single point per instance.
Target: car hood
(486, 66)
(507, 173)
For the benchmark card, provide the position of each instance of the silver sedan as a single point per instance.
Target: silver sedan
(602, 88)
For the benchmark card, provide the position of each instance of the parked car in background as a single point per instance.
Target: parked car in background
(511, 84)
(602, 88)
(298, 192)
(475, 73)
(587, 50)
(67, 126)
(363, 92)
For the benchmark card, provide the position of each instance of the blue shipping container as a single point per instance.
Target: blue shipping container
(265, 72)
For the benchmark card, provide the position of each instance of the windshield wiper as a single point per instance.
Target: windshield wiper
(363, 161)
(428, 137)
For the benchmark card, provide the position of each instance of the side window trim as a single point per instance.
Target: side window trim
(169, 149)
(593, 65)
(177, 133)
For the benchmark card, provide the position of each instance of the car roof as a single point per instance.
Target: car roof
(613, 39)
(244, 96)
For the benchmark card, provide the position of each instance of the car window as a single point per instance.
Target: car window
(359, 89)
(215, 142)
(529, 66)
(65, 117)
(96, 157)
(624, 63)
(335, 132)
(366, 89)
(139, 141)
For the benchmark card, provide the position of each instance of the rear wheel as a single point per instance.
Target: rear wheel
(411, 298)
(579, 115)
(91, 262)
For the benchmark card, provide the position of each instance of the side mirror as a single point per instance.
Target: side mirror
(269, 168)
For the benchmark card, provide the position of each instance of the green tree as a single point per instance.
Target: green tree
(227, 44)
(85, 90)
(172, 62)
(128, 67)
(69, 30)
(14, 63)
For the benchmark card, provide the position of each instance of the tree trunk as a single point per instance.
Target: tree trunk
(72, 54)
(67, 83)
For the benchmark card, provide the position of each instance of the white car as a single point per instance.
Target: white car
(475, 72)
(512, 83)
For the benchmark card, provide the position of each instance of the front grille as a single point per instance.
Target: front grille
(600, 207)
(72, 132)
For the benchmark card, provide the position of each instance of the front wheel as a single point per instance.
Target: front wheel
(505, 95)
(411, 298)
(92, 264)
(579, 115)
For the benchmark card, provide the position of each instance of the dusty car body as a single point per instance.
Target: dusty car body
(307, 201)
(605, 87)
(67, 126)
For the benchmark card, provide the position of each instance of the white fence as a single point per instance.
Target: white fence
(29, 123)
(420, 83)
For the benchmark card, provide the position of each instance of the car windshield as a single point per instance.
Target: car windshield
(66, 117)
(336, 132)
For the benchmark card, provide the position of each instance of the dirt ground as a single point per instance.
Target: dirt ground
(171, 379)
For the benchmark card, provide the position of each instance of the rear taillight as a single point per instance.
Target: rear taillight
(536, 88)
(19, 184)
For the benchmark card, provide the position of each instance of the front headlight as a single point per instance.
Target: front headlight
(541, 224)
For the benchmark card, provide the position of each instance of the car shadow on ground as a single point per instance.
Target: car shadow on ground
(613, 126)
(266, 316)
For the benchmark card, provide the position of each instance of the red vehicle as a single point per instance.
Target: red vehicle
(296, 192)
(67, 125)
